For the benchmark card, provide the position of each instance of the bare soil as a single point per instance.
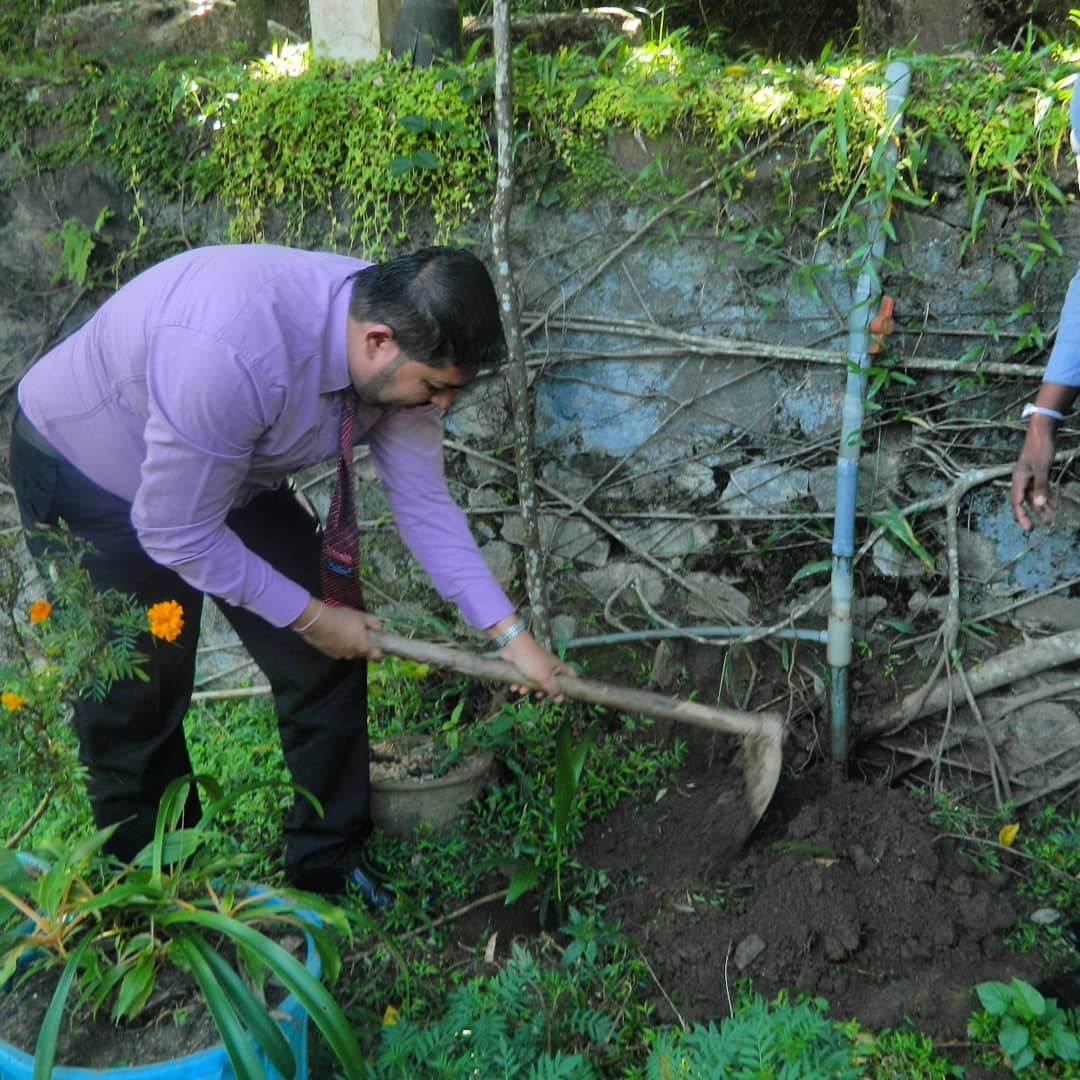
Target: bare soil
(411, 758)
(844, 891)
(174, 1023)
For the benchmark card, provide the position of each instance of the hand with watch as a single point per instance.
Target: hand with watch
(512, 639)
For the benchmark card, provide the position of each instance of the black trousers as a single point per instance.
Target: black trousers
(132, 743)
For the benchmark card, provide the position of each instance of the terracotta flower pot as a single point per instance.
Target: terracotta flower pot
(406, 795)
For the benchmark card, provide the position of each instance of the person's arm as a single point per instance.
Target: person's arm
(1031, 474)
(340, 632)
(406, 448)
(1061, 384)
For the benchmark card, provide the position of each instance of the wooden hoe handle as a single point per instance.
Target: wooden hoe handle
(627, 699)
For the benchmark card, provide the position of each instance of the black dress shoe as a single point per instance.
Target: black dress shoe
(335, 883)
(376, 895)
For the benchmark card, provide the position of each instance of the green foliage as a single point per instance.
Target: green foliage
(240, 738)
(533, 1019)
(900, 1055)
(1052, 842)
(411, 700)
(571, 750)
(780, 1040)
(112, 928)
(957, 816)
(346, 155)
(1050, 846)
(535, 823)
(77, 244)
(326, 154)
(901, 535)
(397, 698)
(1029, 1029)
(74, 645)
(19, 20)
(491, 1027)
(511, 824)
(156, 123)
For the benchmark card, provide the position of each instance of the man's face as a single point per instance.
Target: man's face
(392, 379)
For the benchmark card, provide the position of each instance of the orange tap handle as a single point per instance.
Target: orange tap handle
(882, 324)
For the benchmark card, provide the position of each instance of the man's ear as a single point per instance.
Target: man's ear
(376, 335)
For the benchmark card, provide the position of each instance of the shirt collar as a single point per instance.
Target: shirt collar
(335, 371)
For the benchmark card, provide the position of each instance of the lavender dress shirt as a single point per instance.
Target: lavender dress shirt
(213, 376)
(1064, 363)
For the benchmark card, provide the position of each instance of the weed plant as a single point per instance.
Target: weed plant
(61, 640)
(781, 1039)
(240, 739)
(1030, 1031)
(1049, 844)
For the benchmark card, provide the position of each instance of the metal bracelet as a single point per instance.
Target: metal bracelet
(511, 632)
(311, 622)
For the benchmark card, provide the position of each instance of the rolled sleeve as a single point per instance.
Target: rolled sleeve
(406, 449)
(1064, 363)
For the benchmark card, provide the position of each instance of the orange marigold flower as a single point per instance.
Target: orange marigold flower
(11, 701)
(40, 610)
(166, 620)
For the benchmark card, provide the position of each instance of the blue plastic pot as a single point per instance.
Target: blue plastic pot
(209, 1064)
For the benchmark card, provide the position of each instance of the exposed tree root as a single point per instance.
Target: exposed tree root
(1002, 670)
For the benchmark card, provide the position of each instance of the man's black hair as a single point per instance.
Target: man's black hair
(441, 304)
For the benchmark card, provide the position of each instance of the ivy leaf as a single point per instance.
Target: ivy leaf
(1065, 1045)
(425, 159)
(400, 166)
(415, 123)
(1026, 999)
(581, 97)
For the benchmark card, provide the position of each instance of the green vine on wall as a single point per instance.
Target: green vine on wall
(328, 154)
(362, 147)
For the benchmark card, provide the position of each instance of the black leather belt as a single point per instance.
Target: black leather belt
(30, 434)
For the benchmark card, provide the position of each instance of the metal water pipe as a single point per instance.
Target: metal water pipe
(867, 290)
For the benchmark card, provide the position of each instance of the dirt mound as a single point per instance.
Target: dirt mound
(844, 891)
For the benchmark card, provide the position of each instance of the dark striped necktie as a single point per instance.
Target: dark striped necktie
(340, 568)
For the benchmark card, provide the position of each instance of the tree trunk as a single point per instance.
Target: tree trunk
(519, 380)
(925, 25)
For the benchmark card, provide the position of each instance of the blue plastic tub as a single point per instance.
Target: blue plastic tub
(209, 1064)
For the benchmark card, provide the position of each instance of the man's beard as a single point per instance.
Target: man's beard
(371, 393)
